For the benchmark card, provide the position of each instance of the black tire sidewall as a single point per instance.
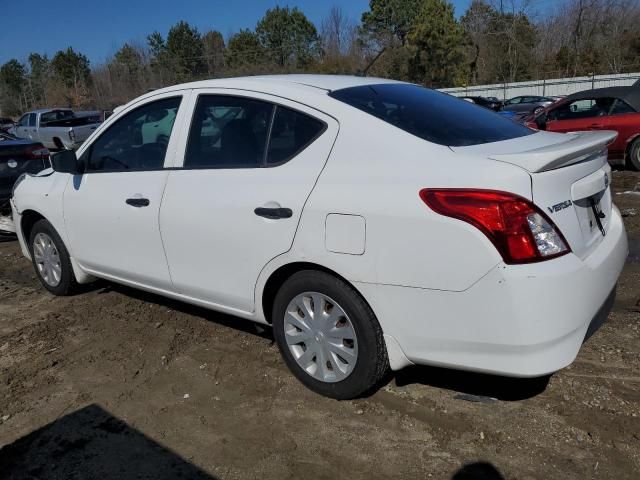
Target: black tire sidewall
(372, 360)
(634, 155)
(67, 281)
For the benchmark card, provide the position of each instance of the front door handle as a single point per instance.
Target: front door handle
(273, 213)
(138, 202)
(596, 125)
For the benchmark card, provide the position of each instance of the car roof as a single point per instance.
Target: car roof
(324, 82)
(297, 84)
(45, 110)
(631, 95)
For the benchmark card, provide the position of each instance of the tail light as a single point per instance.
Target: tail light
(72, 136)
(37, 153)
(520, 231)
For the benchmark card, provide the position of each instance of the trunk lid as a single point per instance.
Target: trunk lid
(570, 178)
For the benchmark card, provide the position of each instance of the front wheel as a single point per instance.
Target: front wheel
(328, 335)
(633, 160)
(51, 260)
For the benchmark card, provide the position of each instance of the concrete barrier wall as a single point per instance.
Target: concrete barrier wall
(550, 87)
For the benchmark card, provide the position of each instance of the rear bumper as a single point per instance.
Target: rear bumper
(523, 321)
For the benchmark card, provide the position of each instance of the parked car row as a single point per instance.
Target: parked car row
(520, 106)
(613, 108)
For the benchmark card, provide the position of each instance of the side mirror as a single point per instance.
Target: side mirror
(541, 121)
(66, 161)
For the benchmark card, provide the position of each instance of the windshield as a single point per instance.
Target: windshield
(431, 115)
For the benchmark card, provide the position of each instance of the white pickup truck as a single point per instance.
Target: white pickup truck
(57, 128)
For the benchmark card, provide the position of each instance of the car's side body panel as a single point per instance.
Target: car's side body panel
(215, 243)
(106, 234)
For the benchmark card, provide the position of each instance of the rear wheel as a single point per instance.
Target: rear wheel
(329, 336)
(51, 260)
(633, 157)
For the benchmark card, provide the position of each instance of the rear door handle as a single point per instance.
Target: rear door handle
(273, 213)
(138, 202)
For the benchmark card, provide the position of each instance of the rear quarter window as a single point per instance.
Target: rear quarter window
(431, 115)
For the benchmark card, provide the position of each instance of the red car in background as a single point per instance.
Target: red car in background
(613, 108)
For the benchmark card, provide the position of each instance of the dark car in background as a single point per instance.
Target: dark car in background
(6, 124)
(613, 108)
(17, 157)
(491, 103)
(527, 104)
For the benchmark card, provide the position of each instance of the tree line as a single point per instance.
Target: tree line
(421, 41)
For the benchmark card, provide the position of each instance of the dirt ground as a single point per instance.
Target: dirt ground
(115, 383)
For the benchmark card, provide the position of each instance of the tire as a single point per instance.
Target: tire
(633, 158)
(45, 243)
(353, 367)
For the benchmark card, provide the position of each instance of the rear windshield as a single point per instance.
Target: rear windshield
(431, 115)
(56, 115)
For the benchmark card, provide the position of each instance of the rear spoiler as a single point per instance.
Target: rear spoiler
(578, 147)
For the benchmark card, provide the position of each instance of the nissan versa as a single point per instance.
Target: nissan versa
(374, 224)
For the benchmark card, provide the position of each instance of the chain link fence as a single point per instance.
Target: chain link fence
(547, 87)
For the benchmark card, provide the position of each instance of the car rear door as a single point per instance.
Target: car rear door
(247, 168)
(111, 211)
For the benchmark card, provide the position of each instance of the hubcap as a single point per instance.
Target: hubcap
(320, 337)
(47, 259)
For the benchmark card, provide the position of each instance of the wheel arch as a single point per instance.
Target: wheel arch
(58, 143)
(280, 275)
(627, 151)
(395, 353)
(28, 219)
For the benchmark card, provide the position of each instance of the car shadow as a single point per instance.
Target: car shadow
(230, 321)
(93, 444)
(478, 471)
(472, 386)
(90, 443)
(468, 384)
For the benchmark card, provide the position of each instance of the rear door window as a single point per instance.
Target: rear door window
(228, 132)
(431, 115)
(291, 133)
(621, 107)
(582, 108)
(242, 132)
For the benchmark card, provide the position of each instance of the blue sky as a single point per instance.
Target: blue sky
(98, 28)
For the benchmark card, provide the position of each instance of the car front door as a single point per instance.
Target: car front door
(22, 127)
(111, 211)
(250, 163)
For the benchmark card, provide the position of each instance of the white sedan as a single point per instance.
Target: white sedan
(374, 224)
